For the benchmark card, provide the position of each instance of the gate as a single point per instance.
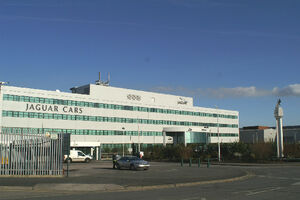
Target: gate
(26, 153)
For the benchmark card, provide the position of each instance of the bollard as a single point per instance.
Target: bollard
(208, 164)
(181, 162)
(198, 162)
(190, 163)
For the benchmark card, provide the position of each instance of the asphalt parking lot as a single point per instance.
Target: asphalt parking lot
(101, 172)
(170, 181)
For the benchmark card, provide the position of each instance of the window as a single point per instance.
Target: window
(8, 97)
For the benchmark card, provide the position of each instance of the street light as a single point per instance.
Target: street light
(139, 142)
(219, 149)
(189, 130)
(123, 140)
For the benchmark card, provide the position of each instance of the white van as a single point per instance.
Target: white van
(77, 156)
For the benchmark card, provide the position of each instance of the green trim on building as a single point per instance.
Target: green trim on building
(8, 97)
(55, 116)
(100, 132)
(79, 131)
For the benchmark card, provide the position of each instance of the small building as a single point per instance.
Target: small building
(291, 134)
(257, 134)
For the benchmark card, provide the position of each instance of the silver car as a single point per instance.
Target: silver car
(132, 162)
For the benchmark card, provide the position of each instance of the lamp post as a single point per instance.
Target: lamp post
(189, 130)
(219, 148)
(123, 128)
(139, 142)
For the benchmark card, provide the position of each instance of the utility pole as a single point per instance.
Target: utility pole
(123, 128)
(139, 142)
(219, 148)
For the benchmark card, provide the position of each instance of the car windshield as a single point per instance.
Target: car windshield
(134, 158)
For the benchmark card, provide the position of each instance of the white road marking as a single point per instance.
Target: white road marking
(258, 191)
(195, 198)
(276, 177)
(264, 190)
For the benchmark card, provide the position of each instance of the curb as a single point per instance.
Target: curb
(257, 164)
(177, 185)
(71, 187)
(74, 187)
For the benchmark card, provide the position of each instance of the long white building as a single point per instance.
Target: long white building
(100, 115)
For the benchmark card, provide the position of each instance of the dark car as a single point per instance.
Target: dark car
(132, 162)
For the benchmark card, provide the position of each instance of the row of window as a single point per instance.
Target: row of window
(224, 134)
(97, 132)
(119, 146)
(8, 97)
(108, 119)
(80, 131)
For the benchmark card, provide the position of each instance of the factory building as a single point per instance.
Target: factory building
(101, 116)
(259, 134)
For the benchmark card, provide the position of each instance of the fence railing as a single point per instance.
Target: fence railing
(25, 153)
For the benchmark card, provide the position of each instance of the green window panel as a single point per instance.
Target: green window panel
(85, 131)
(111, 119)
(8, 97)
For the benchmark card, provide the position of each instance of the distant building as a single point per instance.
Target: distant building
(257, 134)
(291, 134)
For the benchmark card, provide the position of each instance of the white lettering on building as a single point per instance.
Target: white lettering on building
(53, 108)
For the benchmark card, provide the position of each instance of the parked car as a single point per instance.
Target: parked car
(77, 156)
(132, 162)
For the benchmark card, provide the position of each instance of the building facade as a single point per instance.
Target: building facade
(291, 134)
(98, 115)
(257, 134)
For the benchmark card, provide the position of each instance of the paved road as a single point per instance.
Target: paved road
(268, 182)
(159, 173)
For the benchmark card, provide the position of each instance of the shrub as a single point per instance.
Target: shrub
(229, 152)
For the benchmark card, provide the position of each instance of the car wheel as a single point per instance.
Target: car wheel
(87, 160)
(132, 167)
(118, 166)
(69, 160)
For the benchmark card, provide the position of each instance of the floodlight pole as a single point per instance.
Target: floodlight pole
(123, 140)
(219, 148)
(139, 142)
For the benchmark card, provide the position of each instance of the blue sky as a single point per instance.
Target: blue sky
(236, 54)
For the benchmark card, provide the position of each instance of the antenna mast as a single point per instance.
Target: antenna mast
(106, 83)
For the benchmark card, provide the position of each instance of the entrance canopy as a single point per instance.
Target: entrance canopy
(183, 135)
